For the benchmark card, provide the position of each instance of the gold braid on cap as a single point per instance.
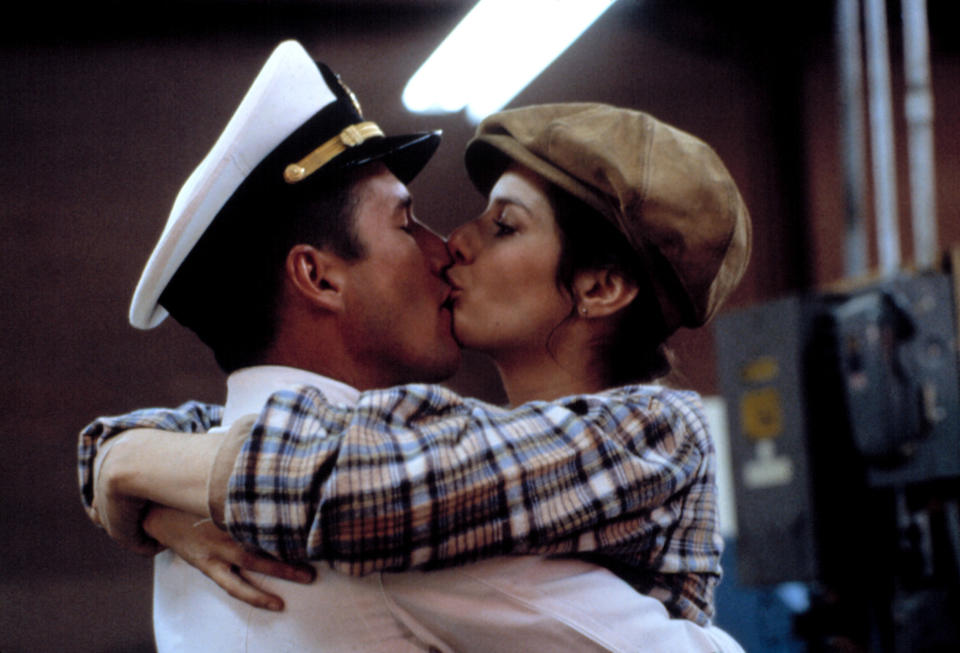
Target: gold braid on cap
(351, 136)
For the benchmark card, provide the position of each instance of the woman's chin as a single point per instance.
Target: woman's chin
(475, 335)
(465, 337)
(461, 341)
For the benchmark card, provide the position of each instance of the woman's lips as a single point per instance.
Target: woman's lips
(454, 295)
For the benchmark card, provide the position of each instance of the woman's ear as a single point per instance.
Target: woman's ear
(316, 277)
(600, 292)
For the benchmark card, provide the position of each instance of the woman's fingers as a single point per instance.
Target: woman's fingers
(232, 580)
(220, 558)
(247, 561)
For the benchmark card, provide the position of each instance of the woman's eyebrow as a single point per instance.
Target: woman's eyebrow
(510, 199)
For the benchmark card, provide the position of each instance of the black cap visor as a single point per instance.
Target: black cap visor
(405, 156)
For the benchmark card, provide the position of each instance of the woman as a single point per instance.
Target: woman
(605, 231)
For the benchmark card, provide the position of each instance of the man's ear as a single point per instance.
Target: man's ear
(316, 276)
(599, 292)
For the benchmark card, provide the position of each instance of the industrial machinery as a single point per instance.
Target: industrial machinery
(843, 407)
(844, 415)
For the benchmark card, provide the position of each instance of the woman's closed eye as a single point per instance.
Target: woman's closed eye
(504, 226)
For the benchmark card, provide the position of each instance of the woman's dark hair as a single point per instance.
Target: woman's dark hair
(636, 352)
(227, 289)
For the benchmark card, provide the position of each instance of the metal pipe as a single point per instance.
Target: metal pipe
(881, 137)
(852, 135)
(918, 108)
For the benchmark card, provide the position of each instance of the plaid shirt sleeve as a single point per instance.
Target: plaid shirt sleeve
(417, 476)
(191, 417)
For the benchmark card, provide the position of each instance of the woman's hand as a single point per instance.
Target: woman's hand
(141, 467)
(216, 554)
(118, 513)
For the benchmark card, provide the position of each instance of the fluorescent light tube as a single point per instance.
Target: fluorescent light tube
(495, 51)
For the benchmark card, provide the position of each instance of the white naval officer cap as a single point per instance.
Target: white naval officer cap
(296, 123)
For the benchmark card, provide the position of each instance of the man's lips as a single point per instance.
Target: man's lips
(449, 304)
(452, 296)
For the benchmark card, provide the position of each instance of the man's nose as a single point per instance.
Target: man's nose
(433, 248)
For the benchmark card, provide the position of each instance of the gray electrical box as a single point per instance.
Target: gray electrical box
(836, 402)
(760, 366)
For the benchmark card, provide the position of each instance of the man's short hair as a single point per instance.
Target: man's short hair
(227, 290)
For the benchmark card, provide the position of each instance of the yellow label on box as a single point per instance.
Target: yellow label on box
(760, 370)
(761, 414)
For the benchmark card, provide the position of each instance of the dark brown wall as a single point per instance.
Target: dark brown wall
(105, 112)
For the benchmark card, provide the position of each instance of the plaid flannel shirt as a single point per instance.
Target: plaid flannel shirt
(419, 477)
(191, 417)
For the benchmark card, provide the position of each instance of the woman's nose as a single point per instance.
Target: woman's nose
(458, 244)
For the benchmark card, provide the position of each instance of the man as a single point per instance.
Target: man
(294, 244)
(293, 253)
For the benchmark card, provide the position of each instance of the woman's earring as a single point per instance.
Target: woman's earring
(583, 311)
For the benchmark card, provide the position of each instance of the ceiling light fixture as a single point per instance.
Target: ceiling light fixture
(495, 51)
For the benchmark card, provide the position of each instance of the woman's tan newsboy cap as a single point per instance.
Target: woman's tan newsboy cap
(665, 190)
